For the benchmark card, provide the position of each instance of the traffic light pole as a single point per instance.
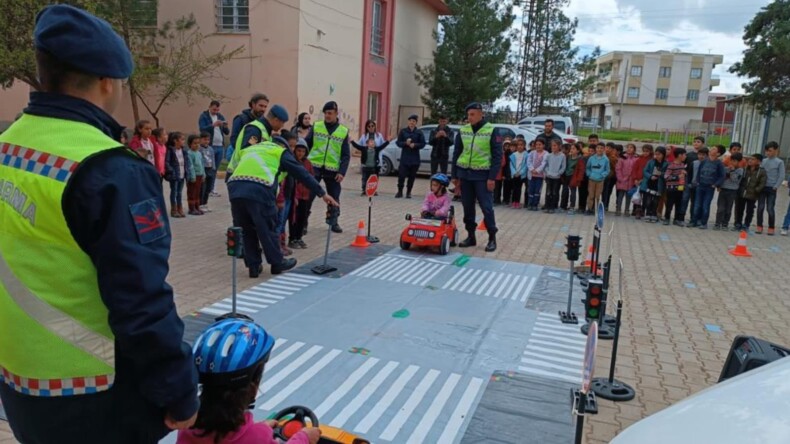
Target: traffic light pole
(610, 388)
(572, 254)
(371, 239)
(233, 273)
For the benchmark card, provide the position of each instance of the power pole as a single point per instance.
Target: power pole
(622, 95)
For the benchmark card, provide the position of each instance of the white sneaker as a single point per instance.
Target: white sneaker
(205, 208)
(783, 232)
(214, 194)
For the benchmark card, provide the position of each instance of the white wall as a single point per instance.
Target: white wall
(660, 117)
(415, 22)
(679, 82)
(647, 92)
(330, 58)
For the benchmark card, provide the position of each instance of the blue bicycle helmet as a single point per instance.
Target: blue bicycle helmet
(441, 178)
(229, 352)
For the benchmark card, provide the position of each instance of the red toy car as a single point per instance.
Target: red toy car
(441, 233)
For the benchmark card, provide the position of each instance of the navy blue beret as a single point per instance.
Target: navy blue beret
(473, 105)
(279, 112)
(331, 105)
(414, 117)
(83, 41)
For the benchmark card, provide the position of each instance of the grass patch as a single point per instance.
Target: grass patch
(654, 137)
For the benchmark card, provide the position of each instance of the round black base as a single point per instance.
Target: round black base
(614, 391)
(605, 332)
(609, 320)
(373, 239)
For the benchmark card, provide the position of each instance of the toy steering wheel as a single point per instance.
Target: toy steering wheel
(296, 423)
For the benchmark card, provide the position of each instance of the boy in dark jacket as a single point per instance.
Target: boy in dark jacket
(728, 191)
(753, 183)
(369, 158)
(709, 177)
(675, 182)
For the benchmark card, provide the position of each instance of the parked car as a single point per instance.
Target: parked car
(561, 123)
(390, 156)
(567, 138)
(749, 408)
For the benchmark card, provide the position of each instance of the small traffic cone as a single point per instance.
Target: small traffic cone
(362, 238)
(588, 259)
(482, 226)
(740, 248)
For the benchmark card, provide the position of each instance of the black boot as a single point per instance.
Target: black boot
(256, 271)
(470, 240)
(491, 242)
(285, 265)
(408, 193)
(400, 193)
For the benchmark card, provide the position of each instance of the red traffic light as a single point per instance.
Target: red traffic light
(595, 290)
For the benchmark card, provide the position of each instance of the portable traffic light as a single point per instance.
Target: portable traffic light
(594, 301)
(572, 248)
(234, 243)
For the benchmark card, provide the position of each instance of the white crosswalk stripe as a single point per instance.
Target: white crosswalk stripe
(263, 295)
(554, 350)
(385, 401)
(494, 284)
(400, 269)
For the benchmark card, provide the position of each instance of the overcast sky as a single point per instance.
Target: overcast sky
(700, 26)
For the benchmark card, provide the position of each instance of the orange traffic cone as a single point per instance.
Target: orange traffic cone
(482, 226)
(740, 248)
(588, 259)
(362, 239)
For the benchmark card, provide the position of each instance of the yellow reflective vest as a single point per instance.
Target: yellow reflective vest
(327, 147)
(258, 163)
(477, 147)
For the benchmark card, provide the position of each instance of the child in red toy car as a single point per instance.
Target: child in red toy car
(437, 202)
(230, 356)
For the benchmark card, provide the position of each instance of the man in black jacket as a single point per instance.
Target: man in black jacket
(411, 141)
(440, 139)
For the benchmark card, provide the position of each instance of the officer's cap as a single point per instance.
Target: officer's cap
(414, 117)
(279, 112)
(83, 41)
(301, 142)
(330, 105)
(474, 105)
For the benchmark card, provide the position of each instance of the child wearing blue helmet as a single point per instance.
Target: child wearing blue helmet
(230, 356)
(437, 203)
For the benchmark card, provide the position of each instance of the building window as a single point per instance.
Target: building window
(636, 71)
(662, 94)
(143, 14)
(233, 16)
(633, 93)
(696, 73)
(665, 71)
(693, 94)
(374, 99)
(377, 29)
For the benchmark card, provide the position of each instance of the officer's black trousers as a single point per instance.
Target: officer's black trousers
(476, 190)
(119, 415)
(407, 171)
(258, 222)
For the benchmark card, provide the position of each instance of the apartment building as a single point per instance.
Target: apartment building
(650, 90)
(302, 53)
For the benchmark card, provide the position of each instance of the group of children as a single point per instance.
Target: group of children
(180, 160)
(644, 186)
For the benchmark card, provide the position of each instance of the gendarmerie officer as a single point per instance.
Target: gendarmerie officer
(91, 347)
(329, 152)
(257, 171)
(477, 159)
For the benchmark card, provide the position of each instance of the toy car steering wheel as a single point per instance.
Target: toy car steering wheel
(296, 423)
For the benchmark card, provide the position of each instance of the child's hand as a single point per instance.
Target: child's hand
(271, 423)
(313, 434)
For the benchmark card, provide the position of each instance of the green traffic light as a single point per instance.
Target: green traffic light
(592, 313)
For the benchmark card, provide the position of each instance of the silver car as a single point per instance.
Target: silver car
(390, 156)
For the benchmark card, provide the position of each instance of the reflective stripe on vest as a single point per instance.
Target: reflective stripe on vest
(327, 147)
(55, 339)
(477, 147)
(265, 137)
(258, 163)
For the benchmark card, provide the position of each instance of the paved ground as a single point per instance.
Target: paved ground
(677, 280)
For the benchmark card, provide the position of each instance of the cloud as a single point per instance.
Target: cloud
(696, 26)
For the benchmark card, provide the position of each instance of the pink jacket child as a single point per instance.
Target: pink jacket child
(436, 206)
(624, 170)
(250, 433)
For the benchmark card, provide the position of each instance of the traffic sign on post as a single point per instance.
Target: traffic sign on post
(372, 185)
(599, 216)
(589, 357)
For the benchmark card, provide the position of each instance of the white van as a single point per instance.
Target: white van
(561, 123)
